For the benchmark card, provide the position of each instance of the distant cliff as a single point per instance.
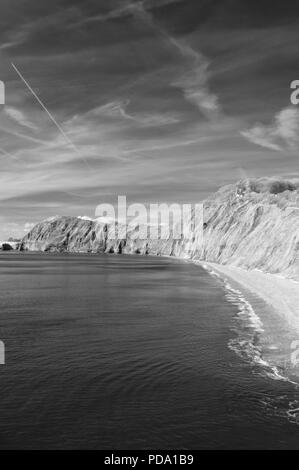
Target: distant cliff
(253, 224)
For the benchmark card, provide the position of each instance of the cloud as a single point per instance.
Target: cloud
(28, 226)
(119, 109)
(193, 74)
(19, 117)
(261, 135)
(281, 134)
(4, 153)
(170, 145)
(124, 10)
(194, 82)
(113, 14)
(287, 122)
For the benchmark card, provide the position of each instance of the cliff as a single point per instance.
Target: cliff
(253, 224)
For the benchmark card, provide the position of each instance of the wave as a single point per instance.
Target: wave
(248, 327)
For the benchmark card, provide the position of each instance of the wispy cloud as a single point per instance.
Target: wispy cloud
(25, 137)
(19, 117)
(127, 8)
(28, 226)
(171, 145)
(261, 135)
(112, 14)
(194, 82)
(120, 109)
(282, 134)
(15, 39)
(193, 76)
(4, 153)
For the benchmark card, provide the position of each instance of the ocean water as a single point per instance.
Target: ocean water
(132, 352)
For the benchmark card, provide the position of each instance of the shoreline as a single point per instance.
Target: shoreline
(280, 293)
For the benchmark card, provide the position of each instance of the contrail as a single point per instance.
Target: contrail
(9, 154)
(49, 114)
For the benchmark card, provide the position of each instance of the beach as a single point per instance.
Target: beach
(280, 293)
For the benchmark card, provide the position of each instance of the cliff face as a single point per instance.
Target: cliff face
(254, 224)
(253, 229)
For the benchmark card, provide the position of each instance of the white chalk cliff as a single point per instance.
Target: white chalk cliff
(253, 224)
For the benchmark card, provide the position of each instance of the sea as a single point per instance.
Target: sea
(139, 352)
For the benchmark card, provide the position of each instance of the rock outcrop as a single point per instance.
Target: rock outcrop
(10, 244)
(253, 224)
(6, 247)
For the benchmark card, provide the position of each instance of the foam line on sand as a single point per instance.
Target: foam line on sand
(280, 293)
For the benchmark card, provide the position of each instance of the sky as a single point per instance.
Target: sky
(159, 100)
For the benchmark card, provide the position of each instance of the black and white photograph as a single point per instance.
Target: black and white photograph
(149, 228)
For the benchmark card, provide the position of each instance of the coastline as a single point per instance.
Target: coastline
(281, 294)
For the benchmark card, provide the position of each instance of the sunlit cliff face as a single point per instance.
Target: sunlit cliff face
(248, 229)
